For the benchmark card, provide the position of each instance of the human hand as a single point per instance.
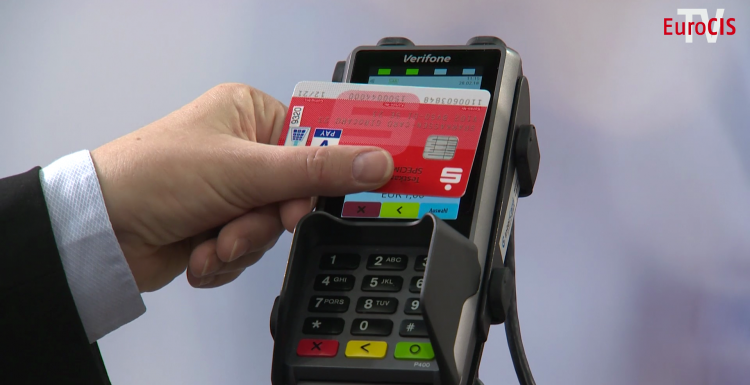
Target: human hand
(202, 188)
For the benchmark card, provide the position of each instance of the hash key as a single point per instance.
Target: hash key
(413, 328)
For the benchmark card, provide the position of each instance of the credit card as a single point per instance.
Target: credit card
(432, 133)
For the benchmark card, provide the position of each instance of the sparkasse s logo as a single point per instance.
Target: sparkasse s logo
(710, 27)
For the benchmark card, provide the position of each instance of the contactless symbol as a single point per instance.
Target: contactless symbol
(415, 349)
(440, 147)
(451, 176)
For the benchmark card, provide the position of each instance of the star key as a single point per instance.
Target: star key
(323, 326)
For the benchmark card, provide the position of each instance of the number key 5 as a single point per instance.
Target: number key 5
(382, 283)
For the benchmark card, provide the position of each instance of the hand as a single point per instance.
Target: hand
(206, 188)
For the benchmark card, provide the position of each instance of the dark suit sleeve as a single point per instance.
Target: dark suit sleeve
(42, 340)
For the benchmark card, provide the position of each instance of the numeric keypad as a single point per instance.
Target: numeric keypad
(346, 299)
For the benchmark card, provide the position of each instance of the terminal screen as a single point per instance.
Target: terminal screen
(399, 206)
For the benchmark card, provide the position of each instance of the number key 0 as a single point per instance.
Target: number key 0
(371, 327)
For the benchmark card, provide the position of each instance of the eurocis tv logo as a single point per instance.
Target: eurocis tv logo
(710, 27)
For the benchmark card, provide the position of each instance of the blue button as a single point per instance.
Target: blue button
(440, 210)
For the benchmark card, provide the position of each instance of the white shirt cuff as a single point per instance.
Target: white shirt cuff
(99, 277)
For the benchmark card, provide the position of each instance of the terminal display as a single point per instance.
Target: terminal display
(400, 206)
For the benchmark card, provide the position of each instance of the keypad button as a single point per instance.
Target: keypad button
(317, 348)
(415, 286)
(328, 304)
(334, 282)
(387, 262)
(366, 349)
(377, 305)
(413, 306)
(323, 326)
(339, 261)
(382, 283)
(421, 263)
(413, 328)
(413, 351)
(371, 327)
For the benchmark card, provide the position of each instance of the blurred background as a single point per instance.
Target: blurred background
(633, 254)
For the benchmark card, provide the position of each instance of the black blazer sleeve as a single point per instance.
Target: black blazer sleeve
(42, 340)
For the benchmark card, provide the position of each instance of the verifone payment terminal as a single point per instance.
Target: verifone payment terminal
(377, 299)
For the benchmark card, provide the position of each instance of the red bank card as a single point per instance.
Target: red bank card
(432, 133)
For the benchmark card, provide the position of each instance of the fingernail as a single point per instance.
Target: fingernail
(206, 280)
(239, 249)
(205, 268)
(371, 167)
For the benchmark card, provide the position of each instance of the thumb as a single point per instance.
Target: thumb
(300, 172)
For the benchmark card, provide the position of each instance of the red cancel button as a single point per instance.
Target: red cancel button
(317, 348)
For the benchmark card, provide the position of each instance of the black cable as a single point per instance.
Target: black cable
(512, 326)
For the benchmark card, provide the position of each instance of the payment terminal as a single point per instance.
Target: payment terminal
(393, 289)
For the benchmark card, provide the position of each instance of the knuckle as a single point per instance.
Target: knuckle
(317, 163)
(227, 88)
(236, 92)
(242, 94)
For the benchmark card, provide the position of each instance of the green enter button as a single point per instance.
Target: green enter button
(413, 351)
(399, 210)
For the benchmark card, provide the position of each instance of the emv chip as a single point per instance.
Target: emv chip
(440, 147)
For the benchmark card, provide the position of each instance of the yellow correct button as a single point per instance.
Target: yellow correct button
(366, 349)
